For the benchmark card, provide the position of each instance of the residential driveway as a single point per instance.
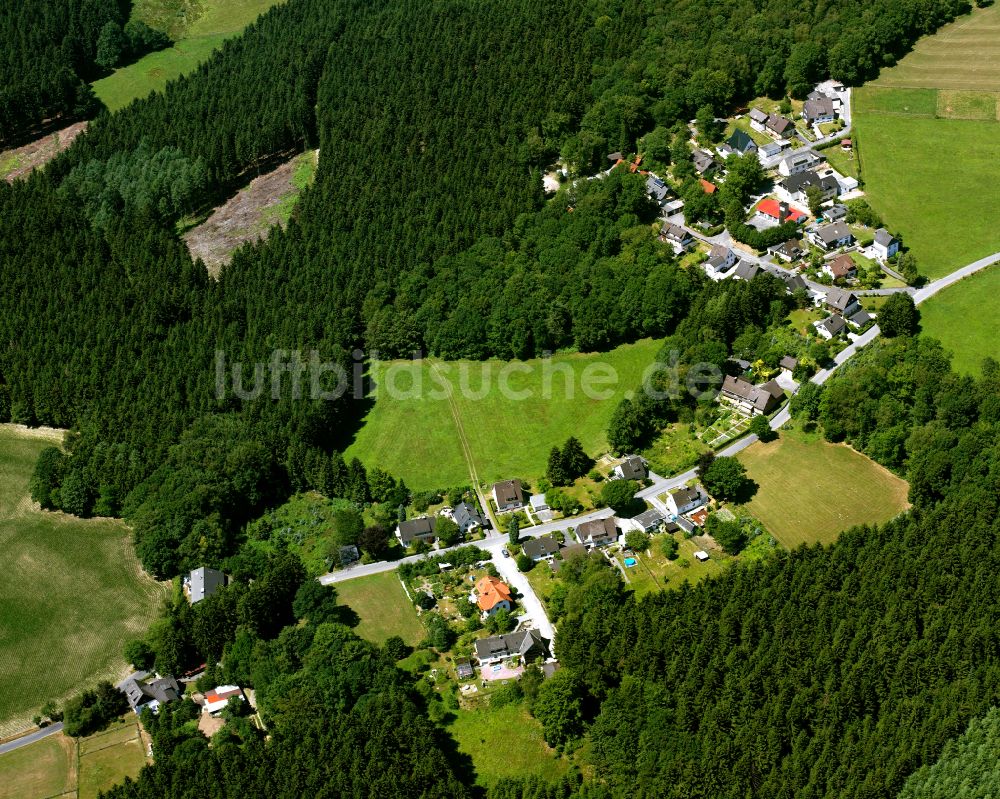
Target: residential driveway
(31, 738)
(531, 605)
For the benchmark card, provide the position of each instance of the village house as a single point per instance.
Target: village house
(217, 699)
(788, 364)
(788, 251)
(411, 530)
(657, 189)
(771, 150)
(467, 517)
(632, 468)
(778, 126)
(537, 503)
(818, 109)
(507, 495)
(720, 260)
(202, 583)
(780, 212)
(739, 143)
(143, 690)
(492, 595)
(885, 245)
(758, 119)
(683, 500)
(598, 533)
(797, 162)
(831, 237)
(703, 162)
(860, 318)
(648, 521)
(795, 283)
(796, 186)
(841, 268)
(840, 301)
(541, 548)
(677, 237)
(748, 399)
(831, 327)
(745, 271)
(835, 213)
(528, 645)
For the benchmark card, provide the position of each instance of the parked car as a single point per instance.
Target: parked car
(505, 553)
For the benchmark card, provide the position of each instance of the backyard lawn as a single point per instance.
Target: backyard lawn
(383, 608)
(505, 742)
(416, 432)
(810, 490)
(964, 318)
(96, 596)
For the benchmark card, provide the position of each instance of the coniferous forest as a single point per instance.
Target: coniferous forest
(829, 672)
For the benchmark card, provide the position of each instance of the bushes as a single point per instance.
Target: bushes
(93, 709)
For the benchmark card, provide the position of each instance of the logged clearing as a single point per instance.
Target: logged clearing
(810, 490)
(73, 592)
(964, 317)
(506, 415)
(383, 608)
(20, 161)
(251, 214)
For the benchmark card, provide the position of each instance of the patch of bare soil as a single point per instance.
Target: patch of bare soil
(248, 216)
(20, 161)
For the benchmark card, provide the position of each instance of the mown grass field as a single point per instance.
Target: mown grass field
(810, 490)
(964, 317)
(60, 766)
(383, 608)
(930, 144)
(72, 593)
(505, 742)
(197, 29)
(412, 431)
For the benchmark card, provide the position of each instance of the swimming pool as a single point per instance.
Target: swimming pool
(630, 562)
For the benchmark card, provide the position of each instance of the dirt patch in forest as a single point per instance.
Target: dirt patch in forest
(20, 161)
(248, 216)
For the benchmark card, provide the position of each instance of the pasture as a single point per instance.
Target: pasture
(506, 416)
(60, 767)
(383, 608)
(72, 594)
(964, 317)
(197, 28)
(810, 490)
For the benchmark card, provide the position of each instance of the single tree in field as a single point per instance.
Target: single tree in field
(727, 478)
(575, 460)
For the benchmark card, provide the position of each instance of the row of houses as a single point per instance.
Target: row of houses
(464, 514)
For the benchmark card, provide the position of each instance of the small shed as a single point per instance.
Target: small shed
(701, 555)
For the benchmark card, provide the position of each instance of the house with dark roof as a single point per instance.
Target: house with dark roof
(748, 399)
(411, 530)
(831, 327)
(598, 533)
(677, 237)
(745, 271)
(144, 690)
(632, 468)
(541, 548)
(720, 260)
(568, 552)
(683, 500)
(885, 245)
(835, 213)
(797, 185)
(841, 268)
(840, 301)
(860, 318)
(739, 143)
(492, 595)
(203, 582)
(758, 120)
(795, 283)
(798, 161)
(348, 554)
(778, 126)
(648, 521)
(703, 162)
(788, 251)
(527, 645)
(657, 189)
(818, 109)
(788, 363)
(830, 237)
(467, 517)
(507, 495)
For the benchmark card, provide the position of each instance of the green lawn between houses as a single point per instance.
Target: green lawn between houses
(208, 24)
(72, 593)
(415, 435)
(964, 317)
(810, 490)
(383, 608)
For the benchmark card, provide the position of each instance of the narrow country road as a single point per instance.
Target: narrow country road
(30, 738)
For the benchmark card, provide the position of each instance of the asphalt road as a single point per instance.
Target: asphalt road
(30, 738)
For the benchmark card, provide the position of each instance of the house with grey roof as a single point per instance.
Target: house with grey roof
(885, 245)
(860, 318)
(840, 301)
(598, 533)
(143, 690)
(412, 530)
(541, 548)
(745, 271)
(648, 521)
(830, 237)
(508, 495)
(632, 468)
(748, 399)
(657, 189)
(788, 251)
(818, 109)
(203, 582)
(798, 161)
(797, 185)
(467, 517)
(831, 327)
(703, 162)
(720, 260)
(758, 119)
(527, 645)
(835, 213)
(683, 500)
(788, 363)
(677, 237)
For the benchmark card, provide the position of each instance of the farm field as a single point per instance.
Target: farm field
(72, 595)
(964, 318)
(929, 145)
(811, 490)
(60, 767)
(505, 742)
(383, 608)
(197, 29)
(416, 436)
